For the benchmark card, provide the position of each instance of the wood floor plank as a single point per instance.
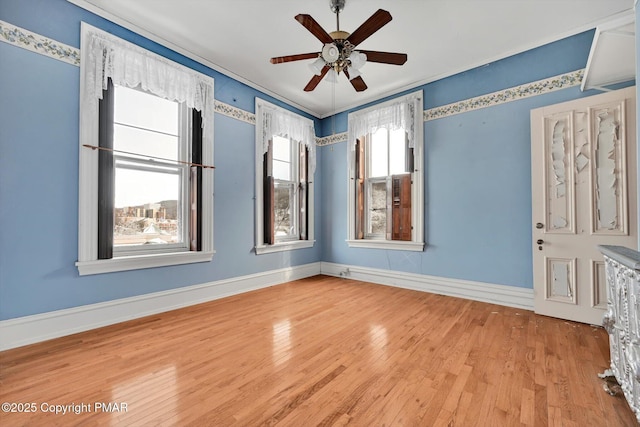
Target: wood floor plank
(321, 351)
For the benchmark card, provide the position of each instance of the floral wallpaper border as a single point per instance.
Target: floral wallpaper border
(539, 87)
(36, 43)
(235, 113)
(332, 139)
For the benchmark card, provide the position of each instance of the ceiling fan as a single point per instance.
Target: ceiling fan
(339, 52)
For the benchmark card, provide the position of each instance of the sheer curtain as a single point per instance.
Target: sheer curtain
(278, 121)
(401, 114)
(129, 65)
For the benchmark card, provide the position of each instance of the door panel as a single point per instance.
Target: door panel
(559, 177)
(608, 186)
(583, 194)
(561, 280)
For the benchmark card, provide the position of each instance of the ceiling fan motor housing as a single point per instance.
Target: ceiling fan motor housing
(339, 35)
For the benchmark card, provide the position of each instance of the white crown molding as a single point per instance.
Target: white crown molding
(520, 49)
(83, 4)
(36, 43)
(40, 327)
(33, 42)
(509, 296)
(540, 87)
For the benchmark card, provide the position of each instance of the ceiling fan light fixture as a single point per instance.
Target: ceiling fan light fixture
(330, 53)
(353, 73)
(357, 60)
(317, 65)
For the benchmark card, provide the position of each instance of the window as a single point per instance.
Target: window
(146, 141)
(288, 186)
(151, 192)
(285, 162)
(386, 176)
(386, 214)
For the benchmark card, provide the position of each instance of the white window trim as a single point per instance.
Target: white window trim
(261, 247)
(284, 246)
(88, 262)
(137, 262)
(417, 188)
(397, 245)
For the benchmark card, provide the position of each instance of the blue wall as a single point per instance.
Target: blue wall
(478, 213)
(39, 177)
(477, 192)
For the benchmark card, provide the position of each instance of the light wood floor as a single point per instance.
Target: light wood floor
(322, 351)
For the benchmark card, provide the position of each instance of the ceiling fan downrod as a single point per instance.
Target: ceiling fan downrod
(336, 6)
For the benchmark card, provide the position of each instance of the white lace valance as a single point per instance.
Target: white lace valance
(394, 115)
(281, 122)
(109, 57)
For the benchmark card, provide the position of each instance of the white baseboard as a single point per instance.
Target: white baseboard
(41, 327)
(509, 296)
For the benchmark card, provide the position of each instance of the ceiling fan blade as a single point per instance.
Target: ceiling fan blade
(385, 57)
(378, 20)
(298, 57)
(316, 79)
(314, 28)
(358, 84)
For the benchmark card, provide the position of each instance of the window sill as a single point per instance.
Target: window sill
(284, 246)
(396, 245)
(137, 262)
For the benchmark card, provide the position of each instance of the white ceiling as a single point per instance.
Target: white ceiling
(440, 37)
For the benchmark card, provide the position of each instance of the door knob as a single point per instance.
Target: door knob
(539, 241)
(539, 225)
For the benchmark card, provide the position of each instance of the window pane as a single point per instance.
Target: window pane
(145, 142)
(284, 207)
(378, 207)
(137, 108)
(281, 158)
(146, 208)
(378, 156)
(281, 170)
(397, 152)
(281, 149)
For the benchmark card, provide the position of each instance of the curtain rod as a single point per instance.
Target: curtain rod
(93, 147)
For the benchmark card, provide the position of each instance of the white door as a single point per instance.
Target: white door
(584, 190)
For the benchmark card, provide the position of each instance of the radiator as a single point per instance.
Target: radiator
(622, 319)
